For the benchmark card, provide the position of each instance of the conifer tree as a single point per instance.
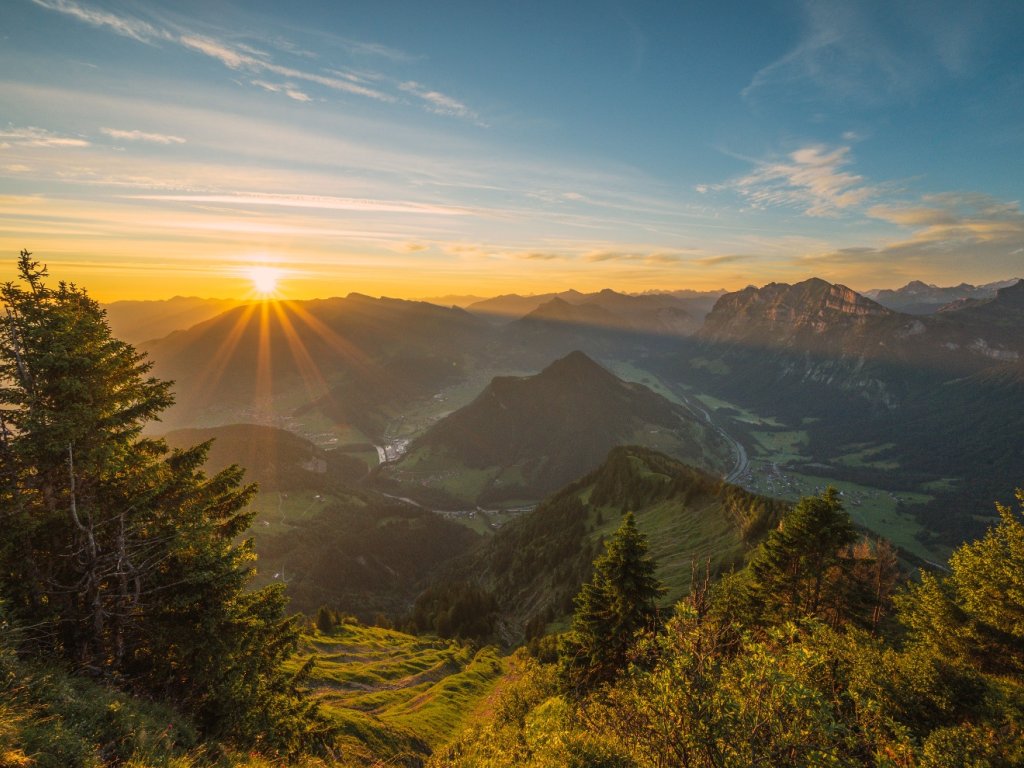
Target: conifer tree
(611, 609)
(800, 570)
(120, 555)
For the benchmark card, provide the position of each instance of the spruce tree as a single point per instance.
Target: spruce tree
(611, 609)
(800, 568)
(120, 555)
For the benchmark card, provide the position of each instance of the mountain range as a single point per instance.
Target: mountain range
(820, 318)
(919, 298)
(349, 358)
(139, 321)
(847, 376)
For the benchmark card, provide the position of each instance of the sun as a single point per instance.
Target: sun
(264, 279)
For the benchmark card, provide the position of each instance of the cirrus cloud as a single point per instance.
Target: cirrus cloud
(152, 138)
(813, 179)
(38, 137)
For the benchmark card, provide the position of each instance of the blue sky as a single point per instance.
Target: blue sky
(415, 149)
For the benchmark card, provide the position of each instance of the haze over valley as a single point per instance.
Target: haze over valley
(473, 385)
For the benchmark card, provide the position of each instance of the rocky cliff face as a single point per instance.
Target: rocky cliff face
(784, 315)
(816, 332)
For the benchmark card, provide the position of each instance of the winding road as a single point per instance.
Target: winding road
(742, 462)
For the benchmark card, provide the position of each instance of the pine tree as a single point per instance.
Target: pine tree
(799, 570)
(120, 555)
(611, 609)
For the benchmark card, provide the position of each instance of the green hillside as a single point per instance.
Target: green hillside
(534, 566)
(276, 459)
(525, 437)
(357, 552)
(393, 698)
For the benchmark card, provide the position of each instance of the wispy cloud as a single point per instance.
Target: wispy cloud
(847, 51)
(945, 231)
(237, 59)
(245, 58)
(728, 258)
(642, 255)
(538, 256)
(125, 26)
(952, 218)
(37, 137)
(596, 257)
(322, 202)
(152, 138)
(287, 89)
(812, 179)
(437, 102)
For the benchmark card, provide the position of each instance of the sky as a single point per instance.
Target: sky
(418, 149)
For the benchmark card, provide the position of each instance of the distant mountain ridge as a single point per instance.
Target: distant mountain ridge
(919, 298)
(818, 317)
(347, 357)
(653, 312)
(138, 321)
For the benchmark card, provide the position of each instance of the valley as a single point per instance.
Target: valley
(437, 506)
(512, 385)
(782, 445)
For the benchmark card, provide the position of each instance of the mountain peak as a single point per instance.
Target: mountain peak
(916, 286)
(778, 311)
(559, 424)
(575, 363)
(1012, 294)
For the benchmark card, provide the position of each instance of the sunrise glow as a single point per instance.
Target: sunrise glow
(153, 150)
(264, 280)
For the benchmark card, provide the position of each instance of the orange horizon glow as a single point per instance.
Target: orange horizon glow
(226, 280)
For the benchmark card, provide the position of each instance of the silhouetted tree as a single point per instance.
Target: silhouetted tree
(120, 555)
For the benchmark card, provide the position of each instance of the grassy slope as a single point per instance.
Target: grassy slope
(535, 565)
(396, 697)
(681, 532)
(50, 719)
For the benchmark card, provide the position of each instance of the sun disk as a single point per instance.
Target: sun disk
(264, 279)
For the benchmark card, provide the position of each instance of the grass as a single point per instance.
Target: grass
(629, 372)
(276, 510)
(878, 510)
(782, 445)
(743, 415)
(679, 536)
(423, 467)
(394, 696)
(865, 456)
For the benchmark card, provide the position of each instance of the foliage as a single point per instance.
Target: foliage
(812, 565)
(976, 613)
(798, 571)
(120, 556)
(456, 609)
(725, 685)
(616, 605)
